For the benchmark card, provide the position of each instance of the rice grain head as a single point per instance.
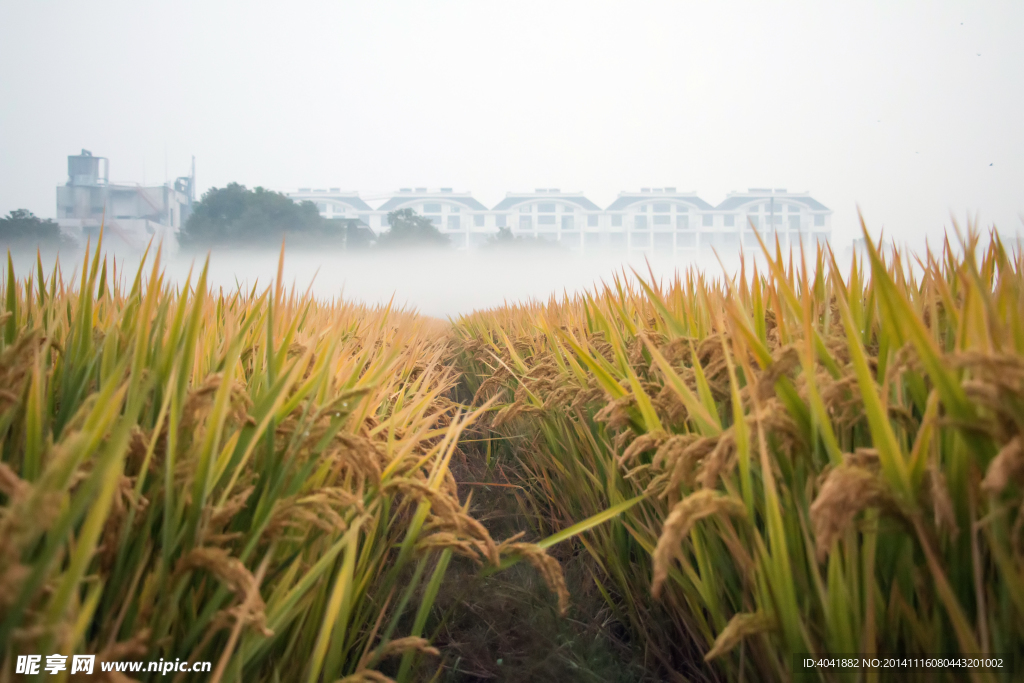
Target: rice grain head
(846, 491)
(684, 514)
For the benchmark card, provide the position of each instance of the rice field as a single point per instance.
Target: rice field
(255, 479)
(800, 459)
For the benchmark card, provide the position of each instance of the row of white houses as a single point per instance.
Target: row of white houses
(659, 220)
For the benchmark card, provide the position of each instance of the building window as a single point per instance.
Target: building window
(525, 209)
(707, 220)
(793, 208)
(453, 209)
(819, 220)
(545, 208)
(568, 209)
(661, 208)
(687, 239)
(777, 219)
(681, 209)
(545, 220)
(617, 220)
(453, 222)
(730, 220)
(682, 222)
(592, 220)
(431, 208)
(501, 220)
(662, 220)
(754, 220)
(525, 223)
(640, 222)
(641, 239)
(794, 222)
(663, 241)
(478, 220)
(567, 223)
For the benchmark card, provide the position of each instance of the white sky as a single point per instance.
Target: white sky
(911, 110)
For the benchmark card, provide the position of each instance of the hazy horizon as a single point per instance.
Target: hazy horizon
(909, 110)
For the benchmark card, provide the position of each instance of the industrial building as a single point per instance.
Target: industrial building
(130, 213)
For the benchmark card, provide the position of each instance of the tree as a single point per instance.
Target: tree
(411, 230)
(236, 215)
(22, 227)
(355, 233)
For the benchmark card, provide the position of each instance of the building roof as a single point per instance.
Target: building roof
(406, 197)
(352, 200)
(579, 200)
(739, 200)
(623, 201)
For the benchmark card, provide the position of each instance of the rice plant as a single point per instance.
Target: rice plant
(252, 478)
(797, 459)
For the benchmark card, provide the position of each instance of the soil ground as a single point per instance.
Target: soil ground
(506, 627)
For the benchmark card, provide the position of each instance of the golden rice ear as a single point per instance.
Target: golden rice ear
(719, 460)
(685, 513)
(11, 485)
(739, 627)
(400, 646)
(549, 569)
(846, 491)
(942, 502)
(1007, 466)
(643, 443)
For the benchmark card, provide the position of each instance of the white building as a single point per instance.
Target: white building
(653, 221)
(334, 203)
(792, 217)
(656, 221)
(130, 214)
(550, 214)
(456, 214)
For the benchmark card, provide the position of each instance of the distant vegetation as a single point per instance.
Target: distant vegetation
(236, 215)
(411, 230)
(23, 228)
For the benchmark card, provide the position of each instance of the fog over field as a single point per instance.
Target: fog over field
(438, 283)
(909, 110)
